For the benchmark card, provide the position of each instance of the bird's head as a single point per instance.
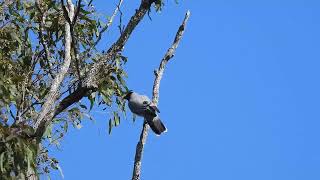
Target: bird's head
(127, 95)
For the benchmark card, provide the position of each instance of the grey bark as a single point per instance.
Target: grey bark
(53, 94)
(155, 97)
(54, 90)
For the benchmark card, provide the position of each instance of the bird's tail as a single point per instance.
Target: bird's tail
(156, 125)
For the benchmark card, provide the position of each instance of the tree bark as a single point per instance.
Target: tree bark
(55, 86)
(155, 97)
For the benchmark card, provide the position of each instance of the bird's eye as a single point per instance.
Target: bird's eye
(145, 102)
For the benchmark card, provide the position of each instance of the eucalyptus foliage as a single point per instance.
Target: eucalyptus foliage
(31, 54)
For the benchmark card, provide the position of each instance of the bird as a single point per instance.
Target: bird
(142, 106)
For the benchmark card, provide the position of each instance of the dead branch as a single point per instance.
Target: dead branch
(158, 75)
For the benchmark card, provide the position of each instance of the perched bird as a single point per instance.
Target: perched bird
(142, 106)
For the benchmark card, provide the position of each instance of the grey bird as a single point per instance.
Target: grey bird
(142, 106)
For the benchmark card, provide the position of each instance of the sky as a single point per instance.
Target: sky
(240, 98)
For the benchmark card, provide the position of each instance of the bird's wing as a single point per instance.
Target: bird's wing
(147, 101)
(154, 107)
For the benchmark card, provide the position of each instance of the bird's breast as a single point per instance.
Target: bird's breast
(137, 108)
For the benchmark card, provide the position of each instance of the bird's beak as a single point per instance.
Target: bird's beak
(127, 95)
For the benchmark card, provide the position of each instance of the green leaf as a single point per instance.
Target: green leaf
(1, 162)
(53, 166)
(91, 104)
(65, 127)
(134, 116)
(106, 99)
(48, 132)
(29, 158)
(15, 36)
(124, 58)
(84, 11)
(83, 106)
(92, 99)
(110, 126)
(116, 119)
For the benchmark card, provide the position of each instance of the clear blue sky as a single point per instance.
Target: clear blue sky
(240, 98)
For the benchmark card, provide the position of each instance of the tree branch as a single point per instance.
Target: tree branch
(54, 90)
(42, 40)
(109, 22)
(90, 82)
(158, 75)
(92, 78)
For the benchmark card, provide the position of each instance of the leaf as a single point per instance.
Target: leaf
(134, 116)
(97, 33)
(15, 36)
(60, 170)
(10, 137)
(65, 127)
(84, 11)
(89, 116)
(83, 106)
(124, 58)
(48, 132)
(54, 166)
(110, 126)
(78, 125)
(29, 158)
(32, 14)
(116, 119)
(92, 99)
(1, 162)
(106, 99)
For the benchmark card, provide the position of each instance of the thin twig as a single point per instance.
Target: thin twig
(118, 46)
(120, 26)
(105, 27)
(158, 75)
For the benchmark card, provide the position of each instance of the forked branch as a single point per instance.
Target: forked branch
(155, 97)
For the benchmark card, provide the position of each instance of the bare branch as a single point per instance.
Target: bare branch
(54, 90)
(112, 17)
(158, 75)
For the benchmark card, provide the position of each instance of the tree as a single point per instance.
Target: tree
(48, 64)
